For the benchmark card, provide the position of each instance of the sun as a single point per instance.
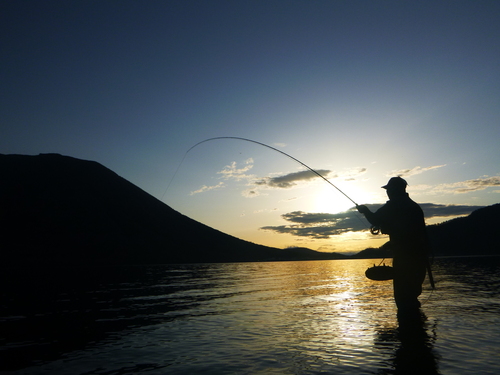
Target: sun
(325, 198)
(328, 200)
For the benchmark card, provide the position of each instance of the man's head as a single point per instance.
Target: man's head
(395, 186)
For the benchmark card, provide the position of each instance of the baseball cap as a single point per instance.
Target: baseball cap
(396, 183)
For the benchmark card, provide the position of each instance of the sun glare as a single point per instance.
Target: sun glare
(329, 200)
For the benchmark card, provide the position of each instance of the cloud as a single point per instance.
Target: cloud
(250, 193)
(290, 179)
(324, 225)
(307, 218)
(206, 188)
(413, 171)
(232, 172)
(351, 174)
(468, 185)
(446, 210)
(255, 186)
(311, 232)
(319, 225)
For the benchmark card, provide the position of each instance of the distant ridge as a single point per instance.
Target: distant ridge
(476, 234)
(59, 210)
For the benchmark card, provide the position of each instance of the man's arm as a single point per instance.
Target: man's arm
(370, 216)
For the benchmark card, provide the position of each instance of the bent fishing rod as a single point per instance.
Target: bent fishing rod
(373, 229)
(275, 149)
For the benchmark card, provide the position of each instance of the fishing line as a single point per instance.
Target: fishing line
(262, 144)
(373, 229)
(428, 297)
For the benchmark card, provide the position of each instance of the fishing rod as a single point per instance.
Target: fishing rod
(275, 149)
(376, 272)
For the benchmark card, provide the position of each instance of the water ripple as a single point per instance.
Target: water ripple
(253, 318)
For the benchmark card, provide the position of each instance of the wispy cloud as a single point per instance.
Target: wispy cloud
(351, 174)
(229, 172)
(232, 172)
(279, 144)
(318, 225)
(251, 193)
(206, 188)
(290, 179)
(446, 210)
(256, 186)
(324, 225)
(468, 185)
(413, 171)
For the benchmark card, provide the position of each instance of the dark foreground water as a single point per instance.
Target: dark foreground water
(318, 317)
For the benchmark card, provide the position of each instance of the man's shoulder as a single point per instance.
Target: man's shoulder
(402, 202)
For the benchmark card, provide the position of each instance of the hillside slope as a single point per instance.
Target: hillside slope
(60, 210)
(476, 234)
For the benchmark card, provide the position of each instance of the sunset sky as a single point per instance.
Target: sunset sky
(358, 90)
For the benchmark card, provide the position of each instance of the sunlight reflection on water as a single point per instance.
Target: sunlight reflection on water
(250, 318)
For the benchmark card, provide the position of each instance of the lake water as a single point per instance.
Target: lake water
(316, 317)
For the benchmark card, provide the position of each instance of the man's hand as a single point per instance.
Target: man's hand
(363, 209)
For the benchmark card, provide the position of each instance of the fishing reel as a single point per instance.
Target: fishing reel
(375, 230)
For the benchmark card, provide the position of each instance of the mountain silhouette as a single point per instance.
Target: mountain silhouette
(59, 210)
(476, 234)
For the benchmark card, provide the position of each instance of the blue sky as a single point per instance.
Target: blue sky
(361, 90)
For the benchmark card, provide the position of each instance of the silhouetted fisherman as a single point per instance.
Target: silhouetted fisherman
(403, 220)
